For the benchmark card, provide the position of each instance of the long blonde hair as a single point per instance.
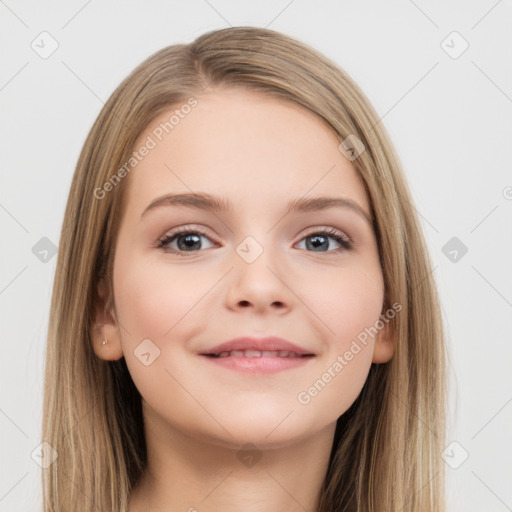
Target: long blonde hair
(386, 451)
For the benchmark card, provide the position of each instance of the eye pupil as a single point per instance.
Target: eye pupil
(188, 242)
(317, 241)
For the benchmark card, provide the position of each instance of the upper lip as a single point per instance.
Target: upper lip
(270, 343)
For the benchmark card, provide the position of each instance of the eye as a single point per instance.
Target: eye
(187, 240)
(318, 241)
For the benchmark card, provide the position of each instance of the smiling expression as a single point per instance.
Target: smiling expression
(246, 220)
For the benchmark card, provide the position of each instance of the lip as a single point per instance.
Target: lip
(270, 343)
(258, 365)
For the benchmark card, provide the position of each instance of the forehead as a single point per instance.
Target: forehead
(243, 145)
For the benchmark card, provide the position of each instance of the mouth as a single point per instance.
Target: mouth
(253, 347)
(259, 354)
(258, 362)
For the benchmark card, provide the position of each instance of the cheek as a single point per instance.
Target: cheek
(348, 311)
(168, 306)
(157, 304)
(347, 304)
(152, 301)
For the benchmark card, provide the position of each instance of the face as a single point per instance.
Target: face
(311, 276)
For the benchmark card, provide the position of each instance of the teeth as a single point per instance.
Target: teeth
(258, 353)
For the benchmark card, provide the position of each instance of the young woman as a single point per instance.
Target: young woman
(243, 314)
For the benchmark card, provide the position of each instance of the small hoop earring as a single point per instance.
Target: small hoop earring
(104, 342)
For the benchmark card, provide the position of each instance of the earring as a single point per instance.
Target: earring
(104, 342)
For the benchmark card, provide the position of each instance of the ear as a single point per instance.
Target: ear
(385, 343)
(105, 327)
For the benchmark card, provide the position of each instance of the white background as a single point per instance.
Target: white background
(449, 118)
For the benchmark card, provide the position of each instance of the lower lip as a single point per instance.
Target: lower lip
(259, 364)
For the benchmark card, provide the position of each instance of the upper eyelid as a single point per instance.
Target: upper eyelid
(185, 229)
(338, 231)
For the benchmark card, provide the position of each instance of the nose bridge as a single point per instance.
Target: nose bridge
(256, 280)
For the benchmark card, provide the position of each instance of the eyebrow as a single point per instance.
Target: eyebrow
(211, 203)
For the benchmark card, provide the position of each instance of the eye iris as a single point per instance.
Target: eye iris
(316, 241)
(189, 243)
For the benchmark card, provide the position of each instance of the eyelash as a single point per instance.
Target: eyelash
(343, 240)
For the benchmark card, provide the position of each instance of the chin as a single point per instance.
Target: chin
(269, 432)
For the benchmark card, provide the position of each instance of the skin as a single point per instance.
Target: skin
(260, 152)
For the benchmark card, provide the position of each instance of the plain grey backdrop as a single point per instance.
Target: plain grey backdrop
(440, 76)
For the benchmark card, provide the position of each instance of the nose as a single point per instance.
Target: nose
(259, 286)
